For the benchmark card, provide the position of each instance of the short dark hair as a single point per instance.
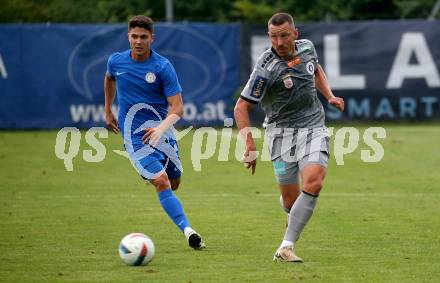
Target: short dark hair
(280, 18)
(142, 22)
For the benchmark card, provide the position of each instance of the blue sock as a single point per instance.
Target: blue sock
(173, 208)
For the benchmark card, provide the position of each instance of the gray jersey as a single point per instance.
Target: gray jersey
(286, 90)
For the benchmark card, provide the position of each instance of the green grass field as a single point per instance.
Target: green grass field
(375, 222)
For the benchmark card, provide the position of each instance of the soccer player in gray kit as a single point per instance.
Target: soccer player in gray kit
(284, 82)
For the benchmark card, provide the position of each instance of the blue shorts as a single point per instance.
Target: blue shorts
(151, 162)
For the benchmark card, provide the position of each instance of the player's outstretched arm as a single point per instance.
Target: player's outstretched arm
(110, 92)
(175, 112)
(241, 114)
(323, 87)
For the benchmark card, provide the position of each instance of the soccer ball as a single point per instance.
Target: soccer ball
(136, 249)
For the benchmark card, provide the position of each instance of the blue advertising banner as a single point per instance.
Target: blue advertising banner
(51, 76)
(385, 70)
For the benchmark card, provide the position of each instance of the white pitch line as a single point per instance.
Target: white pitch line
(234, 195)
(366, 195)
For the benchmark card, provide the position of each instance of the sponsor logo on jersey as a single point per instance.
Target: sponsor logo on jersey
(150, 77)
(295, 61)
(310, 68)
(267, 60)
(258, 87)
(271, 65)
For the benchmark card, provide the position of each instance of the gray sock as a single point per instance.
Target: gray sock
(300, 214)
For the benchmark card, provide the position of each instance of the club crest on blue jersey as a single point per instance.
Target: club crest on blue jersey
(150, 77)
(259, 86)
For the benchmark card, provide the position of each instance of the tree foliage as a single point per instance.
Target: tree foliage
(255, 11)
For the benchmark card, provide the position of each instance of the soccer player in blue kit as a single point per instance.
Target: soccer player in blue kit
(150, 103)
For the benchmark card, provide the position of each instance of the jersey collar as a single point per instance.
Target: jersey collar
(152, 55)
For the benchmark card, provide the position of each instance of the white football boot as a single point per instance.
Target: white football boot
(286, 254)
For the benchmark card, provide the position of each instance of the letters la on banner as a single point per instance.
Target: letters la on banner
(384, 70)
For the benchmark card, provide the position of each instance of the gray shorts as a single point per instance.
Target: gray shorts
(293, 149)
(288, 172)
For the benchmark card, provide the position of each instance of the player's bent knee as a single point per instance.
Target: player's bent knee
(313, 186)
(161, 183)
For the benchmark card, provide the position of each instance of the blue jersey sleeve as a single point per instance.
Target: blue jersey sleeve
(110, 68)
(170, 81)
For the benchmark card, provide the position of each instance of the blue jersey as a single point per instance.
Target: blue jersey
(142, 90)
(149, 82)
